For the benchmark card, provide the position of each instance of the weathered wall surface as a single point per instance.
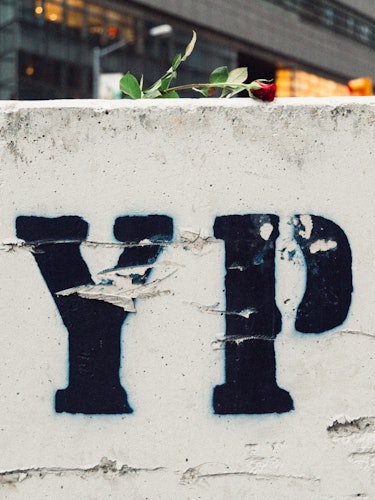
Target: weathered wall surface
(187, 300)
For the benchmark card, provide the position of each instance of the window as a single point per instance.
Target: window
(365, 32)
(295, 83)
(53, 11)
(95, 20)
(74, 14)
(101, 25)
(119, 26)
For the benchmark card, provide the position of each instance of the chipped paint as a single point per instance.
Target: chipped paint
(194, 240)
(121, 286)
(220, 342)
(322, 246)
(266, 230)
(289, 250)
(307, 222)
(237, 268)
(245, 313)
(344, 427)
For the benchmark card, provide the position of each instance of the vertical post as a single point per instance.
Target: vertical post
(98, 53)
(95, 71)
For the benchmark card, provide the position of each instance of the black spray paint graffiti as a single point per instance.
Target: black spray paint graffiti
(250, 384)
(250, 365)
(94, 326)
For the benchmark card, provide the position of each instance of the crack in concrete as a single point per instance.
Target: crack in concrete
(195, 243)
(356, 332)
(193, 474)
(106, 467)
(11, 245)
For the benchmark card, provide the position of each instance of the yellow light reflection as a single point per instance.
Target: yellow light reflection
(296, 83)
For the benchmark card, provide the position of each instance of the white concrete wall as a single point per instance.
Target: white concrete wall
(192, 161)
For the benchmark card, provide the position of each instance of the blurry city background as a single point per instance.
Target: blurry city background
(59, 48)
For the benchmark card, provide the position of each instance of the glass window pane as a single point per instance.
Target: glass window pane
(7, 13)
(95, 21)
(75, 3)
(74, 18)
(120, 26)
(53, 12)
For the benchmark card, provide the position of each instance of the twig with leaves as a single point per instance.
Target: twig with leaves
(230, 82)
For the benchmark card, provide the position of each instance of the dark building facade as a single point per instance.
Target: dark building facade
(46, 47)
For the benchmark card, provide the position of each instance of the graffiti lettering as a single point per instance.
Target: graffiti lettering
(254, 321)
(250, 365)
(94, 326)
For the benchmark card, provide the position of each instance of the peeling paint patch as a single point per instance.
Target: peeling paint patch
(237, 268)
(322, 246)
(245, 313)
(195, 240)
(289, 250)
(345, 428)
(238, 339)
(266, 231)
(121, 286)
(306, 221)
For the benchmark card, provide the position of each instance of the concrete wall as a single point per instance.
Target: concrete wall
(187, 299)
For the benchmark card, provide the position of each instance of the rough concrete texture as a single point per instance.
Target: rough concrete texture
(192, 160)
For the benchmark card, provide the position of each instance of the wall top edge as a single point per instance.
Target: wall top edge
(186, 104)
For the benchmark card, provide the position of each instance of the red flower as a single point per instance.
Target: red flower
(266, 92)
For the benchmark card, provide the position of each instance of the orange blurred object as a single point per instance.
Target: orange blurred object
(297, 83)
(360, 86)
(112, 31)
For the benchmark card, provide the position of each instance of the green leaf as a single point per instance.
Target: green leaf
(201, 91)
(219, 75)
(154, 86)
(129, 85)
(151, 94)
(237, 75)
(233, 92)
(189, 49)
(170, 95)
(176, 61)
(254, 85)
(165, 81)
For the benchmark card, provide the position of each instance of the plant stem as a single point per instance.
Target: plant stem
(206, 85)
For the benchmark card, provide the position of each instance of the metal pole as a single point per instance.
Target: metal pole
(97, 54)
(95, 72)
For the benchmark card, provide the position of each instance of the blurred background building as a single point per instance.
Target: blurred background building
(309, 47)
